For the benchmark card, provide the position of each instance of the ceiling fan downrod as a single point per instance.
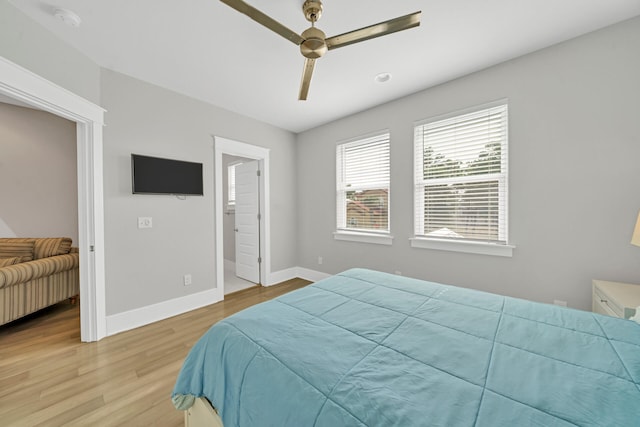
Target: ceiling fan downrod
(313, 42)
(312, 10)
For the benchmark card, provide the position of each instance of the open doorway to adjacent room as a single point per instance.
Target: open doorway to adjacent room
(241, 232)
(30, 90)
(242, 215)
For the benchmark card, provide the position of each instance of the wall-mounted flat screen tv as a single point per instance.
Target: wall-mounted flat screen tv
(154, 175)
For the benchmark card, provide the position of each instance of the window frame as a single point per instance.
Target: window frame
(499, 247)
(363, 235)
(231, 186)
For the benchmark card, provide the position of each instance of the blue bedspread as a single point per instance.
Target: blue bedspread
(364, 348)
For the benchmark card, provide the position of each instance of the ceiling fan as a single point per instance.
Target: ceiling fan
(313, 42)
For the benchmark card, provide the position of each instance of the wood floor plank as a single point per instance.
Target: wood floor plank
(48, 377)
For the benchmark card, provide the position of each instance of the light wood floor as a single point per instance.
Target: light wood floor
(49, 378)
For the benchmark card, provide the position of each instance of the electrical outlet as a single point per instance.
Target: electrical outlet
(187, 279)
(145, 222)
(319, 260)
(560, 302)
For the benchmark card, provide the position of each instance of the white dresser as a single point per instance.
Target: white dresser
(615, 298)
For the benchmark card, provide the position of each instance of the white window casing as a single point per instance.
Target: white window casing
(362, 189)
(461, 181)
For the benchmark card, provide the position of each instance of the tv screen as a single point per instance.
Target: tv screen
(154, 175)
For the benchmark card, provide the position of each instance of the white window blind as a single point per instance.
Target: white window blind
(363, 169)
(461, 176)
(231, 181)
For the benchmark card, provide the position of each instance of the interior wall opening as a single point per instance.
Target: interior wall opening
(235, 276)
(23, 86)
(246, 156)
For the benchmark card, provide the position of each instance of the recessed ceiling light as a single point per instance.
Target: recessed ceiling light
(68, 17)
(383, 77)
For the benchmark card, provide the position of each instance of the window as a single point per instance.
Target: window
(461, 177)
(231, 186)
(363, 185)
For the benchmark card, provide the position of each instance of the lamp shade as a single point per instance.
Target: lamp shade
(635, 239)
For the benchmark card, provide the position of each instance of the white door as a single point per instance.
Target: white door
(247, 227)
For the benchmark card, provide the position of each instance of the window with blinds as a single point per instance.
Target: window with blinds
(461, 176)
(363, 168)
(231, 185)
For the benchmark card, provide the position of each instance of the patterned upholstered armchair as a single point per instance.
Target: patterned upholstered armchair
(36, 273)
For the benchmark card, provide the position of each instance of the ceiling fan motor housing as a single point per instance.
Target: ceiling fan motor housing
(313, 42)
(313, 45)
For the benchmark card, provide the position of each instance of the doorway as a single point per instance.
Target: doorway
(241, 233)
(256, 264)
(24, 86)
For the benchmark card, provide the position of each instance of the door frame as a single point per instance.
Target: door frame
(27, 87)
(241, 149)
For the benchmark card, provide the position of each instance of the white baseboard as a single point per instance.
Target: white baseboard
(276, 277)
(291, 273)
(135, 318)
(144, 315)
(311, 275)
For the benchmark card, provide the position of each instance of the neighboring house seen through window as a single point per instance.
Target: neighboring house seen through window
(363, 169)
(461, 176)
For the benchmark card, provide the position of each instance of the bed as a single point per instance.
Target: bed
(364, 348)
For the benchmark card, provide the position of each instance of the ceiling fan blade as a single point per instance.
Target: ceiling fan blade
(265, 20)
(309, 63)
(373, 31)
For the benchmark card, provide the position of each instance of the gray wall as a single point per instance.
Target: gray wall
(574, 187)
(38, 174)
(577, 101)
(28, 44)
(145, 266)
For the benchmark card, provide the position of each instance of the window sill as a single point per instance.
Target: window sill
(467, 247)
(352, 236)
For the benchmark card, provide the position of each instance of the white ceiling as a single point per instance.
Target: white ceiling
(207, 50)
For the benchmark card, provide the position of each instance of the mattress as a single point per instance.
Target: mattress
(364, 348)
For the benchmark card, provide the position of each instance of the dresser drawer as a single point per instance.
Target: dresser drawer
(604, 305)
(615, 298)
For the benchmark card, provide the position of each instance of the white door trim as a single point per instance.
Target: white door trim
(241, 149)
(21, 84)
